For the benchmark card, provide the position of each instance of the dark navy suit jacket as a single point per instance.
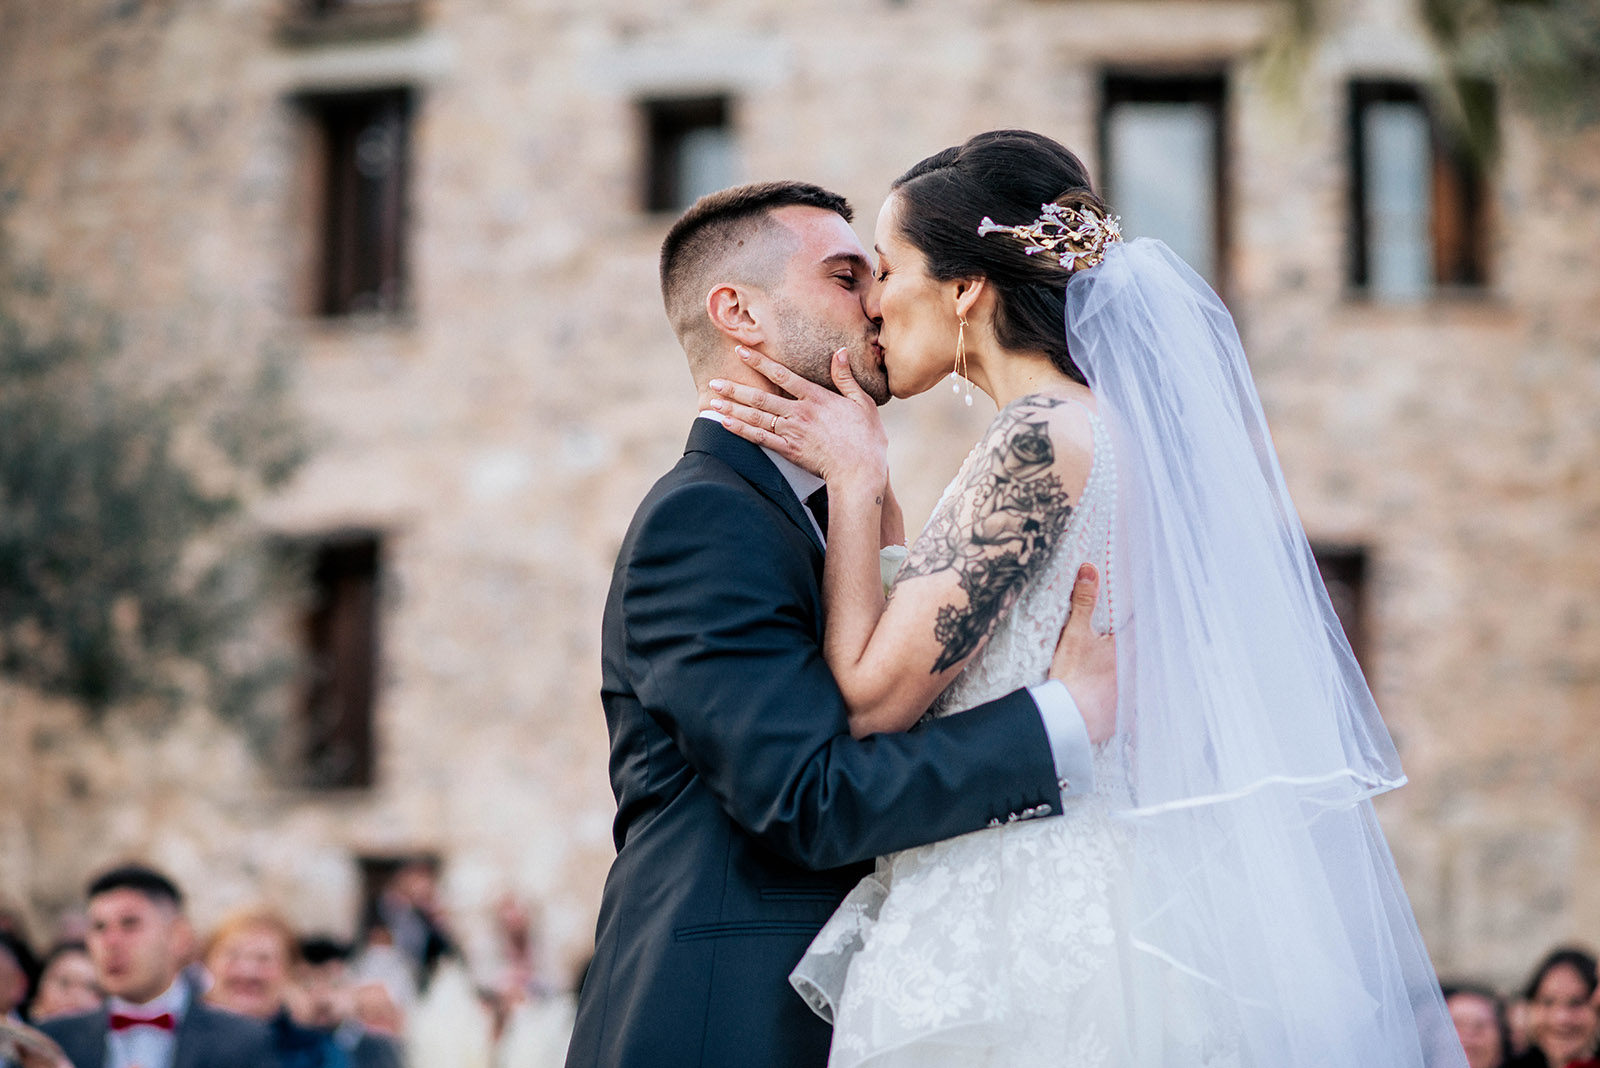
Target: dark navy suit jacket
(207, 1037)
(745, 811)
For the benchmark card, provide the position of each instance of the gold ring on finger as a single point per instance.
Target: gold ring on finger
(774, 427)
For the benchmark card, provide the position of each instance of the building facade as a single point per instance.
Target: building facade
(449, 210)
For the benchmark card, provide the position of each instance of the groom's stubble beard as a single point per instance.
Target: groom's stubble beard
(806, 347)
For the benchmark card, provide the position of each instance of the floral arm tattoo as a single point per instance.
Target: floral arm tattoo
(996, 530)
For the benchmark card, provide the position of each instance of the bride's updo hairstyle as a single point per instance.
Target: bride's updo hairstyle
(1005, 175)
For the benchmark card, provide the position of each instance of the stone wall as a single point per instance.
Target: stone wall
(500, 434)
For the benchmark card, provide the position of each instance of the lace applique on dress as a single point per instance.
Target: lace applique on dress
(1008, 946)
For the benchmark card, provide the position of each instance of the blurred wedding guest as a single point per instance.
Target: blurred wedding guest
(1563, 1018)
(406, 915)
(1480, 1019)
(249, 958)
(516, 971)
(18, 970)
(326, 1000)
(139, 940)
(538, 1030)
(67, 984)
(450, 1027)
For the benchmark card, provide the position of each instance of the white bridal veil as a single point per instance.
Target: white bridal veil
(1261, 878)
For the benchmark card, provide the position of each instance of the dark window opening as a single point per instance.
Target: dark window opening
(1344, 573)
(1418, 209)
(366, 142)
(342, 660)
(690, 151)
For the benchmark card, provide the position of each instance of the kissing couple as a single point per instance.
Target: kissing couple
(945, 818)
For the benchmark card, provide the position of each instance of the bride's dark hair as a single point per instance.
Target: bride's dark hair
(1006, 175)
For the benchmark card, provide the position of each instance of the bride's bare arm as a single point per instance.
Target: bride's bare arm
(965, 571)
(967, 568)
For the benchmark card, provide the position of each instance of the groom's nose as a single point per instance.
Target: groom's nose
(869, 303)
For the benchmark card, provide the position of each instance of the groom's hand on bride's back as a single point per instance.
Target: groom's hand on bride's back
(1087, 662)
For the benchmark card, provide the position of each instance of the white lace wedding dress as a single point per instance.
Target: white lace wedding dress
(1010, 946)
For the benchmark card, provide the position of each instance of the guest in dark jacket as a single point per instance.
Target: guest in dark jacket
(249, 958)
(326, 1000)
(138, 939)
(1563, 1015)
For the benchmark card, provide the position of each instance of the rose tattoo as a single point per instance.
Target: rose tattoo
(995, 530)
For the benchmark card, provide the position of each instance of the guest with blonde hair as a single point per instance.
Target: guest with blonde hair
(249, 958)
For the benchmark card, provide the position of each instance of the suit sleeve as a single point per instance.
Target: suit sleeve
(721, 615)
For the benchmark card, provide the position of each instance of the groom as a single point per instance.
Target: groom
(745, 811)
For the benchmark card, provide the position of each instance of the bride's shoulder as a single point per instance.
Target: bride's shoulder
(1040, 449)
(1047, 429)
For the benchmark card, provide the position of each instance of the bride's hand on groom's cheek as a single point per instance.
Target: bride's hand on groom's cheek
(835, 435)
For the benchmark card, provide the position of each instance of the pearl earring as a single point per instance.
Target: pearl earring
(959, 374)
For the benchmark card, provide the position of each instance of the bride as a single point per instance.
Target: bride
(1223, 895)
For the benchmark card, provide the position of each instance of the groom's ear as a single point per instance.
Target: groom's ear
(732, 310)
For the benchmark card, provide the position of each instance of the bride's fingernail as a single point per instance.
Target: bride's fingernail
(744, 353)
(718, 405)
(718, 384)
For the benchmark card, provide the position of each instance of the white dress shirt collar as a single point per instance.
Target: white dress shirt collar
(173, 999)
(147, 1047)
(803, 482)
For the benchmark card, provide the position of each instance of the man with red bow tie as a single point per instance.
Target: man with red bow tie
(139, 940)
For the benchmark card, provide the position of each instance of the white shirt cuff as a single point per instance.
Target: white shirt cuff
(1069, 737)
(890, 559)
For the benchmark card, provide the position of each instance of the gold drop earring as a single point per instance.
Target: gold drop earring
(959, 374)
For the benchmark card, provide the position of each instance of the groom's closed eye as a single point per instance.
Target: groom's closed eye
(849, 269)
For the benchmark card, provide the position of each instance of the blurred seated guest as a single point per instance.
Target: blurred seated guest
(67, 984)
(406, 915)
(538, 1031)
(450, 1024)
(139, 940)
(1563, 1018)
(18, 970)
(326, 997)
(249, 958)
(516, 971)
(1480, 1019)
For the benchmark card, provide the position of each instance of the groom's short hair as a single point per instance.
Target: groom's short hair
(716, 241)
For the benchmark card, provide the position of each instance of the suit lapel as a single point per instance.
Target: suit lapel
(753, 465)
(85, 1045)
(191, 1036)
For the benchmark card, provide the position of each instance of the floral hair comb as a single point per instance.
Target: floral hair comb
(1075, 238)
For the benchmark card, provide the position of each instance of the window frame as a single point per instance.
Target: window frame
(1350, 566)
(342, 661)
(345, 259)
(1452, 170)
(667, 120)
(1207, 84)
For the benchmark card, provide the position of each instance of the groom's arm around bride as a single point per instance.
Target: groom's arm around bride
(745, 809)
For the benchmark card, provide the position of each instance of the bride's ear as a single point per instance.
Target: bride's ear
(968, 292)
(733, 312)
